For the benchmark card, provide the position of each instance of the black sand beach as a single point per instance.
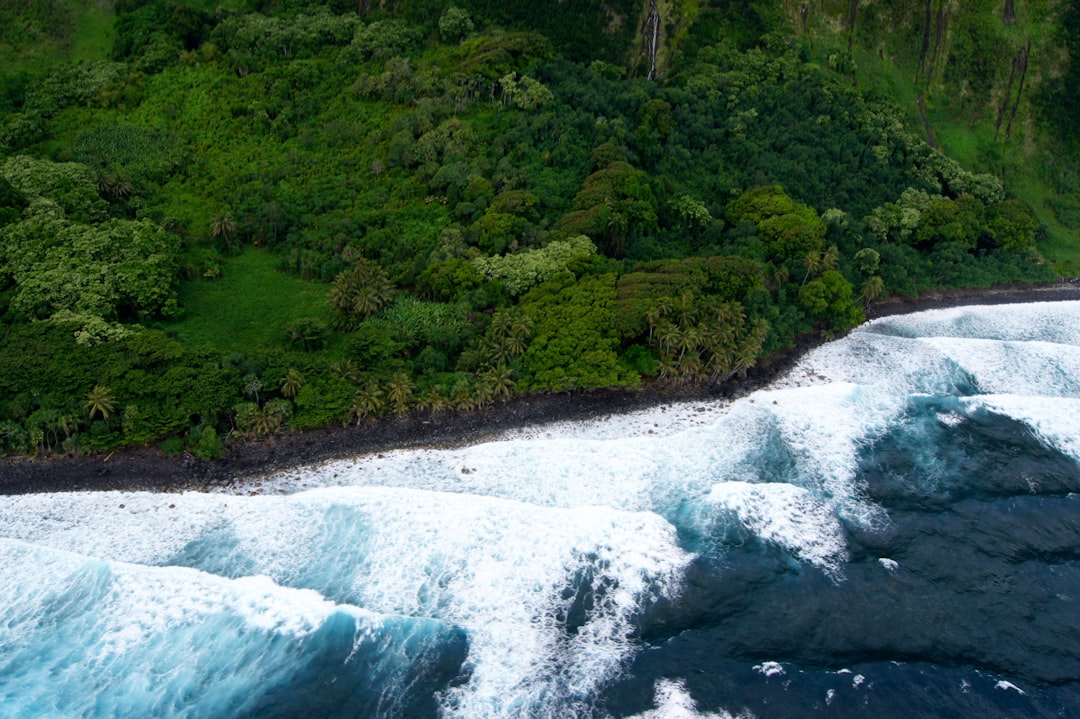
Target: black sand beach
(150, 469)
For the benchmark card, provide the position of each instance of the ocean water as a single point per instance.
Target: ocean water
(891, 530)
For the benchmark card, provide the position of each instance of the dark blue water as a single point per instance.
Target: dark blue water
(893, 530)
(980, 585)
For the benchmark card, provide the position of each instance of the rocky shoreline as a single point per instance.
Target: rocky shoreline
(152, 470)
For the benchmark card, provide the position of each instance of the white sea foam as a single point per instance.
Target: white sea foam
(815, 432)
(497, 537)
(1057, 322)
(891, 366)
(143, 601)
(673, 701)
(141, 528)
(1034, 368)
(770, 669)
(996, 347)
(505, 571)
(788, 516)
(824, 428)
(1055, 421)
(660, 421)
(86, 637)
(1008, 686)
(809, 436)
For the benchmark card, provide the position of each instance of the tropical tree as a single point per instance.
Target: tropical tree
(100, 401)
(113, 187)
(367, 402)
(872, 289)
(432, 400)
(867, 260)
(291, 383)
(464, 394)
(264, 421)
(455, 24)
(360, 292)
(818, 261)
(305, 334)
(499, 381)
(399, 391)
(223, 229)
(252, 385)
(346, 369)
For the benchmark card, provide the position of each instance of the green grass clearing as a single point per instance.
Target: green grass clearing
(249, 306)
(32, 43)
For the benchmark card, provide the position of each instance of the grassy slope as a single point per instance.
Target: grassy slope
(249, 306)
(965, 135)
(27, 47)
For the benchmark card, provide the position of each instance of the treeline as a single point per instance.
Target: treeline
(486, 210)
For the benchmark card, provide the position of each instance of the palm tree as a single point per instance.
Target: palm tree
(360, 292)
(687, 310)
(688, 341)
(496, 350)
(830, 258)
(346, 369)
(399, 391)
(432, 400)
(778, 277)
(291, 384)
(507, 336)
(464, 396)
(617, 225)
(751, 346)
(252, 385)
(721, 359)
(665, 367)
(113, 187)
(652, 316)
(519, 334)
(100, 401)
(264, 421)
(365, 301)
(667, 335)
(223, 229)
(872, 289)
(499, 381)
(367, 403)
(502, 323)
(813, 262)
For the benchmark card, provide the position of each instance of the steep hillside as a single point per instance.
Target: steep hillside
(223, 219)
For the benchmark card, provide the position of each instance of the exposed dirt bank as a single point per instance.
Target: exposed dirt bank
(150, 469)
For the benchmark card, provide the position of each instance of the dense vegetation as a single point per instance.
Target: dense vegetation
(223, 219)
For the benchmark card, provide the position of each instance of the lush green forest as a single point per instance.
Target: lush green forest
(221, 220)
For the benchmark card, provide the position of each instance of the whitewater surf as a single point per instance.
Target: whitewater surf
(892, 528)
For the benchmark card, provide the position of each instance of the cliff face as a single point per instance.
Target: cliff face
(984, 58)
(992, 83)
(977, 60)
(989, 82)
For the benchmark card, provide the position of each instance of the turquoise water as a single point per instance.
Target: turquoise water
(893, 529)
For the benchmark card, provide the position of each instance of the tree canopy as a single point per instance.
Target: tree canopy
(249, 217)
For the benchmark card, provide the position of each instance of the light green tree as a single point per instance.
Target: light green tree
(399, 391)
(291, 384)
(455, 24)
(100, 401)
